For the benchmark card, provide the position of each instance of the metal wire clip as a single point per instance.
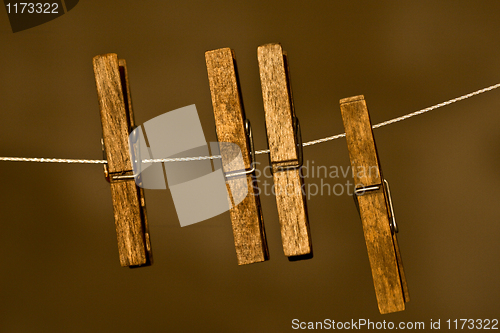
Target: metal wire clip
(112, 178)
(237, 173)
(364, 189)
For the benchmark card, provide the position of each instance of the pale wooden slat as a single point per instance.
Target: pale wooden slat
(277, 103)
(381, 253)
(292, 213)
(115, 127)
(129, 231)
(246, 217)
(373, 206)
(279, 112)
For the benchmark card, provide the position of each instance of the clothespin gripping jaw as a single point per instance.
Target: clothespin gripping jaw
(285, 151)
(233, 127)
(374, 202)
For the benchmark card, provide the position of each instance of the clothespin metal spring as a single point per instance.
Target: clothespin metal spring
(364, 189)
(113, 178)
(237, 173)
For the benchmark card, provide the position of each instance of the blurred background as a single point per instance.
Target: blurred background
(60, 270)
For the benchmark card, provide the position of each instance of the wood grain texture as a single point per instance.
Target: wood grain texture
(362, 149)
(246, 218)
(373, 206)
(381, 252)
(292, 213)
(115, 127)
(279, 112)
(277, 103)
(128, 200)
(127, 212)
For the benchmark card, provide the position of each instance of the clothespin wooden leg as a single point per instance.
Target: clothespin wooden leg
(246, 217)
(375, 207)
(283, 133)
(117, 120)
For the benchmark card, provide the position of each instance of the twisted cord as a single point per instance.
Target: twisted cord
(258, 152)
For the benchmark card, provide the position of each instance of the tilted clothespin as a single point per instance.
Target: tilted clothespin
(117, 118)
(374, 202)
(285, 147)
(232, 126)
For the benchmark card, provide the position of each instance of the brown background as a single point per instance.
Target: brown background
(60, 269)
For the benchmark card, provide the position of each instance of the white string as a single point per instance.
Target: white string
(51, 160)
(258, 152)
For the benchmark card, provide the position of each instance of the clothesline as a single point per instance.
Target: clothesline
(265, 151)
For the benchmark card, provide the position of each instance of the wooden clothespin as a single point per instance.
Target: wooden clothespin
(374, 202)
(232, 126)
(117, 118)
(285, 146)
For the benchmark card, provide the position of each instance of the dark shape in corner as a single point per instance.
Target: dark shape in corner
(24, 16)
(70, 4)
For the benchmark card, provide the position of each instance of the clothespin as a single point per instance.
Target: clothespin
(117, 118)
(232, 126)
(285, 146)
(373, 198)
